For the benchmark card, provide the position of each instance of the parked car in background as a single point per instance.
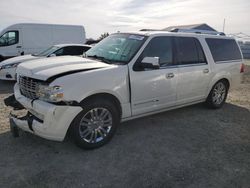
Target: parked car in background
(30, 38)
(125, 76)
(8, 66)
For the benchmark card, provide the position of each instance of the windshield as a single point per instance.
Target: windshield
(48, 51)
(117, 48)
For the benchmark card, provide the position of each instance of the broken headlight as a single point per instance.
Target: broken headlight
(50, 93)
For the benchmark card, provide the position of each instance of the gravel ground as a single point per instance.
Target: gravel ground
(187, 147)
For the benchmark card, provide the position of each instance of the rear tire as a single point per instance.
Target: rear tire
(218, 95)
(96, 124)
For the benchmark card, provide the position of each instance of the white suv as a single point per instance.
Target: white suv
(125, 76)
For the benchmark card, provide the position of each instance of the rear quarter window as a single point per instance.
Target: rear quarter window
(224, 49)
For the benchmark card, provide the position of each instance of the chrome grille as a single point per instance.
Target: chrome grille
(28, 87)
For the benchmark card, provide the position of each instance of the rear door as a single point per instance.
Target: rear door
(194, 71)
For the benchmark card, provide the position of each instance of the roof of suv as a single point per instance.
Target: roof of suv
(152, 33)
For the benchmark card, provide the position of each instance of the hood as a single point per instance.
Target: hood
(18, 59)
(44, 69)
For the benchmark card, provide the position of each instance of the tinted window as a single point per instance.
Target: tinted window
(85, 48)
(69, 50)
(73, 50)
(9, 38)
(78, 50)
(59, 52)
(223, 49)
(159, 47)
(201, 55)
(189, 51)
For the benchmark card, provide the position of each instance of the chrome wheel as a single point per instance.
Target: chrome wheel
(95, 125)
(219, 93)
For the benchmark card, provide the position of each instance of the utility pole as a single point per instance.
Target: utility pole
(224, 23)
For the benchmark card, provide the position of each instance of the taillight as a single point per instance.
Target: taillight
(242, 68)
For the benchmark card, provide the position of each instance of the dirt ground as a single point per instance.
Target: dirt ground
(187, 147)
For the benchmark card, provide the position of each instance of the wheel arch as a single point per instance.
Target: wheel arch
(104, 96)
(226, 79)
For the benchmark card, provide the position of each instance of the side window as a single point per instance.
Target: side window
(68, 50)
(201, 54)
(73, 50)
(85, 49)
(9, 38)
(223, 49)
(159, 47)
(59, 52)
(78, 50)
(189, 51)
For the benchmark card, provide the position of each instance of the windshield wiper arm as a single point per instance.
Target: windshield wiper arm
(103, 59)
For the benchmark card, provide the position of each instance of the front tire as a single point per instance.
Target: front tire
(218, 95)
(96, 124)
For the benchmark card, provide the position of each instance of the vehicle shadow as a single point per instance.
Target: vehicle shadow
(192, 146)
(6, 87)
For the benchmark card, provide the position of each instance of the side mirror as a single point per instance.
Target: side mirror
(150, 62)
(52, 55)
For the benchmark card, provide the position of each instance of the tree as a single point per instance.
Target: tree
(104, 35)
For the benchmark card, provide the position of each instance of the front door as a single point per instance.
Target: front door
(10, 44)
(154, 89)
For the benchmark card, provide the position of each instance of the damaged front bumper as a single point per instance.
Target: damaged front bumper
(12, 102)
(43, 119)
(23, 122)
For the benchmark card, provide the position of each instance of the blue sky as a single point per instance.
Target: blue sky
(100, 16)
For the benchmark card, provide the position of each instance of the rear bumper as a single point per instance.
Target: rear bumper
(44, 119)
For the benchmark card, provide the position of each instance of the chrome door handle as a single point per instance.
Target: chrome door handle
(19, 47)
(169, 75)
(206, 71)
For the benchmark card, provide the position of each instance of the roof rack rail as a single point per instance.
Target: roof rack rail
(150, 30)
(197, 31)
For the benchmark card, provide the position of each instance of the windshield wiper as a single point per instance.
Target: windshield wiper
(103, 59)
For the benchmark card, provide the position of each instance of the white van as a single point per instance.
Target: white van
(29, 38)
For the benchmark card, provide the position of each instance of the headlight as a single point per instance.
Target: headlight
(50, 93)
(10, 66)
